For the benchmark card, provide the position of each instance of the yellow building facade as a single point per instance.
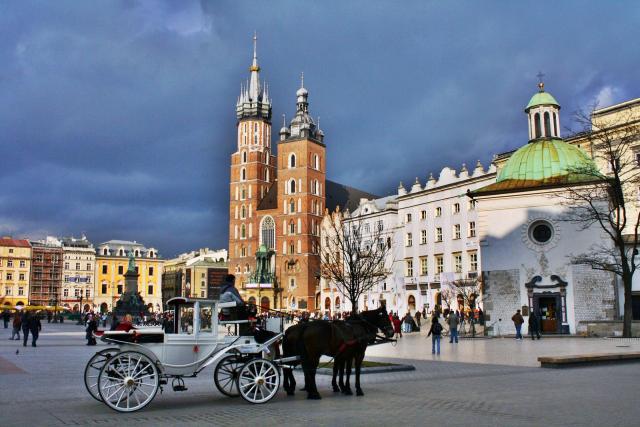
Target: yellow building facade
(15, 269)
(112, 261)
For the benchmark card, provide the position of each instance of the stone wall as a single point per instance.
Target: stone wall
(594, 296)
(501, 299)
(607, 328)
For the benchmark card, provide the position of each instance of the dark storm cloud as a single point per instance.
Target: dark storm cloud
(117, 118)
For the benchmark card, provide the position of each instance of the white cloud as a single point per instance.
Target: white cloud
(608, 95)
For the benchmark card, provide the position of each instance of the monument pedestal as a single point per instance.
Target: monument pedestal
(130, 301)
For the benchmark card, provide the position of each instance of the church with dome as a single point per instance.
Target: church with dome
(526, 241)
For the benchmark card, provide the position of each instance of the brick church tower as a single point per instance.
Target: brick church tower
(276, 204)
(252, 171)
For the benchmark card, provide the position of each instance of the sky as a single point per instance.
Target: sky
(117, 118)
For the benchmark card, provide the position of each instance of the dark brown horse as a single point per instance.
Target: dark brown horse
(311, 340)
(366, 334)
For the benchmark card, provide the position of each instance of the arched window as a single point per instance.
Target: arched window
(555, 125)
(243, 174)
(337, 303)
(244, 157)
(292, 186)
(266, 175)
(151, 254)
(292, 227)
(268, 232)
(243, 212)
(316, 162)
(243, 193)
(547, 124)
(243, 232)
(536, 120)
(137, 253)
(105, 251)
(292, 206)
(292, 160)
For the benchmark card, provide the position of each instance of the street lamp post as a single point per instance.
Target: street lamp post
(80, 308)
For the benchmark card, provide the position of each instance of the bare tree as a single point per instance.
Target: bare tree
(604, 197)
(354, 255)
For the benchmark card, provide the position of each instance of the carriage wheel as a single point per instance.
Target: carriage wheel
(92, 370)
(128, 381)
(258, 381)
(226, 375)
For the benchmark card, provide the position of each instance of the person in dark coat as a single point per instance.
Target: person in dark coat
(30, 323)
(534, 325)
(5, 318)
(436, 332)
(92, 326)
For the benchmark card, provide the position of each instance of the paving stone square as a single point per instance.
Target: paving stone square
(44, 386)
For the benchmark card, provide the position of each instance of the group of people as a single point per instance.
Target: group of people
(27, 321)
(534, 324)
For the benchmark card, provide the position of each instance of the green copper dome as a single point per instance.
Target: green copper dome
(542, 98)
(547, 161)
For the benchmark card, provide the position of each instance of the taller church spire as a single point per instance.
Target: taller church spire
(254, 99)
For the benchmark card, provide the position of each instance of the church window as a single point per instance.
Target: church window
(243, 231)
(292, 248)
(292, 227)
(292, 160)
(243, 212)
(299, 225)
(555, 125)
(266, 175)
(541, 232)
(292, 206)
(299, 205)
(316, 162)
(244, 157)
(299, 246)
(536, 121)
(268, 232)
(243, 193)
(243, 174)
(547, 124)
(292, 186)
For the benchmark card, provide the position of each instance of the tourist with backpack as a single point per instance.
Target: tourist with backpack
(436, 332)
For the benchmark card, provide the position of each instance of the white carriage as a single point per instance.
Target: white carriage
(127, 376)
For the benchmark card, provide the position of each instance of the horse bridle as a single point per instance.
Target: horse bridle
(377, 339)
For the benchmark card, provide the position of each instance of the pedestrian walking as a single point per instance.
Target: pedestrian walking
(453, 322)
(17, 324)
(534, 325)
(436, 332)
(518, 320)
(92, 326)
(31, 324)
(5, 318)
(418, 316)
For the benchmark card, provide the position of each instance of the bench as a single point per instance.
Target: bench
(587, 359)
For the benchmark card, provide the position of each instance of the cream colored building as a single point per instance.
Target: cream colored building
(15, 265)
(78, 273)
(193, 273)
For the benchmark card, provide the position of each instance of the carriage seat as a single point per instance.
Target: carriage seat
(134, 336)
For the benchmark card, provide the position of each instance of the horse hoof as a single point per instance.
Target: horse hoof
(314, 397)
(359, 393)
(347, 392)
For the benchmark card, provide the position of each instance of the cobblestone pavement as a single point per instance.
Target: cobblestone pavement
(43, 386)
